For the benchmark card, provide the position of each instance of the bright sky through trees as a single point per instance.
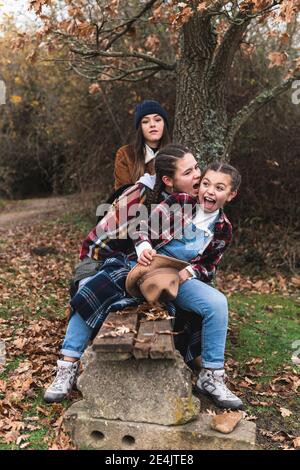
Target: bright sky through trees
(18, 9)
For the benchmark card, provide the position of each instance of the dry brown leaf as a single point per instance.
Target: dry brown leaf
(285, 412)
(296, 442)
(226, 422)
(168, 332)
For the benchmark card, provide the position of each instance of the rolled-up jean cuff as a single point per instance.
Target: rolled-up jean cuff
(212, 365)
(69, 353)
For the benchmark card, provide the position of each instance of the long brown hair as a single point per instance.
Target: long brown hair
(165, 165)
(139, 150)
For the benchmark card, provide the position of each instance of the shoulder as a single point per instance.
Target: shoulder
(132, 194)
(125, 152)
(182, 198)
(224, 219)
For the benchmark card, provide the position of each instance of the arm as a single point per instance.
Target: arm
(205, 265)
(206, 269)
(122, 171)
(114, 225)
(164, 220)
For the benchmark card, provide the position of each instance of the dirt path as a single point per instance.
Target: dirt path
(30, 211)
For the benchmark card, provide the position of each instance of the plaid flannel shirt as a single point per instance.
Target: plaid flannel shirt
(172, 224)
(118, 231)
(111, 234)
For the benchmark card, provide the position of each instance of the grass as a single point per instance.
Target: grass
(81, 222)
(264, 326)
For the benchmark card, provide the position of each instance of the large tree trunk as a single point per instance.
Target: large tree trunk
(201, 120)
(199, 125)
(200, 117)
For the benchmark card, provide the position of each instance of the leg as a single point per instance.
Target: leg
(77, 337)
(211, 305)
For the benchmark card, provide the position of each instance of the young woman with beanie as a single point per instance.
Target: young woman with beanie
(134, 160)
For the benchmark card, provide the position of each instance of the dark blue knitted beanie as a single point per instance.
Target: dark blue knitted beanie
(149, 107)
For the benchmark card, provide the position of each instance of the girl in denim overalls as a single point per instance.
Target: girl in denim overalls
(219, 185)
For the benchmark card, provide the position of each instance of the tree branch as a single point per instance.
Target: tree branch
(256, 103)
(137, 55)
(128, 24)
(226, 51)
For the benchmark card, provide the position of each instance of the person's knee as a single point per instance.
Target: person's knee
(221, 302)
(219, 306)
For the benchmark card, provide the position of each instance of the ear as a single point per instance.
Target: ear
(231, 195)
(168, 182)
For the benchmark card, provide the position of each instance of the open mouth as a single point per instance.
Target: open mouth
(209, 202)
(196, 186)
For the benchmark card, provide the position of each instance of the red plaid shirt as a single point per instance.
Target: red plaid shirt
(113, 233)
(204, 264)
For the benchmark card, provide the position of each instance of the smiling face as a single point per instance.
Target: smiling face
(215, 190)
(186, 178)
(152, 128)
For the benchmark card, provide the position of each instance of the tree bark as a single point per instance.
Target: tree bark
(200, 118)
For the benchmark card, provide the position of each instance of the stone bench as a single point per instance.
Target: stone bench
(137, 392)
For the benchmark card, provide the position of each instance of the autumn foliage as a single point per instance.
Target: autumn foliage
(198, 42)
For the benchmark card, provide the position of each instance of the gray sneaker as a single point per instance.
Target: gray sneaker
(211, 383)
(63, 383)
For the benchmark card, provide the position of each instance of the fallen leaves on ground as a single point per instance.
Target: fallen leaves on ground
(34, 297)
(33, 305)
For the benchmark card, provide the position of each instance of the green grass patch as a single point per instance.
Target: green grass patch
(263, 326)
(11, 366)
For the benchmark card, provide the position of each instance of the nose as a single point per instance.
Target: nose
(197, 173)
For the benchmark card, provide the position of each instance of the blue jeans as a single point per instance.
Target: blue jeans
(194, 296)
(78, 333)
(211, 305)
(77, 337)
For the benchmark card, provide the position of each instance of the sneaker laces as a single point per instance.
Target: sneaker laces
(62, 375)
(221, 380)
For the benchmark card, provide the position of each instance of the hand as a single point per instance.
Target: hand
(146, 256)
(184, 274)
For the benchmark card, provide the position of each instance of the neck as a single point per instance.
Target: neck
(153, 145)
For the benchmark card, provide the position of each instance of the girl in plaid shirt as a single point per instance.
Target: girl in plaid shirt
(206, 236)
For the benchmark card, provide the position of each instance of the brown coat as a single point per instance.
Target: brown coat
(124, 166)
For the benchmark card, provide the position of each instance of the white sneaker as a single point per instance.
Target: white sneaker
(63, 383)
(211, 382)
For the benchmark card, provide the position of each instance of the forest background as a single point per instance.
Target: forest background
(59, 131)
(61, 122)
